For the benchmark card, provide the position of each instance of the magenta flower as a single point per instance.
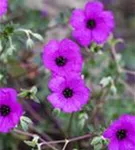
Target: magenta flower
(69, 93)
(3, 7)
(10, 109)
(62, 57)
(121, 133)
(92, 24)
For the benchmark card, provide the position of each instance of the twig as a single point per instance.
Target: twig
(44, 135)
(70, 124)
(69, 140)
(35, 115)
(114, 57)
(65, 145)
(55, 121)
(33, 135)
(49, 143)
(120, 70)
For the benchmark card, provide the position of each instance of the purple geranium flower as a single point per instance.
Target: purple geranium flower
(3, 7)
(92, 24)
(10, 109)
(121, 133)
(62, 57)
(69, 93)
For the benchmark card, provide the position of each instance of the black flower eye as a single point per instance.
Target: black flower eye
(5, 110)
(68, 93)
(61, 61)
(91, 24)
(121, 134)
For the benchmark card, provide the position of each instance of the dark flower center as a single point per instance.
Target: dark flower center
(91, 24)
(68, 93)
(121, 134)
(5, 110)
(60, 61)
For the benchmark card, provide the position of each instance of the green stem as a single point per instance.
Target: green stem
(70, 125)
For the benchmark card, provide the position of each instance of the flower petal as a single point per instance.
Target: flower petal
(83, 36)
(67, 49)
(100, 34)
(77, 19)
(114, 145)
(3, 7)
(7, 95)
(50, 50)
(56, 100)
(126, 145)
(108, 19)
(67, 46)
(71, 106)
(93, 8)
(55, 84)
(83, 94)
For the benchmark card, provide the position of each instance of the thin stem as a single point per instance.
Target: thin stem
(33, 135)
(24, 133)
(120, 70)
(49, 144)
(44, 135)
(34, 114)
(70, 124)
(65, 145)
(71, 140)
(3, 48)
(114, 56)
(55, 121)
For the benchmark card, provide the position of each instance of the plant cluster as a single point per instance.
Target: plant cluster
(72, 93)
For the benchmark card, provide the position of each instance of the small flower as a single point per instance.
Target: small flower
(62, 57)
(92, 24)
(121, 133)
(3, 7)
(69, 93)
(10, 109)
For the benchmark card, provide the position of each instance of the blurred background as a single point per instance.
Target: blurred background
(24, 70)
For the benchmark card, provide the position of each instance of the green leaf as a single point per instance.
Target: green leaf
(96, 48)
(56, 112)
(25, 121)
(38, 36)
(113, 42)
(31, 94)
(34, 142)
(98, 146)
(34, 90)
(105, 81)
(113, 89)
(82, 120)
(29, 43)
(24, 125)
(96, 140)
(30, 143)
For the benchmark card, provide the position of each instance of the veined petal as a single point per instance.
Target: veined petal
(82, 36)
(93, 8)
(77, 19)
